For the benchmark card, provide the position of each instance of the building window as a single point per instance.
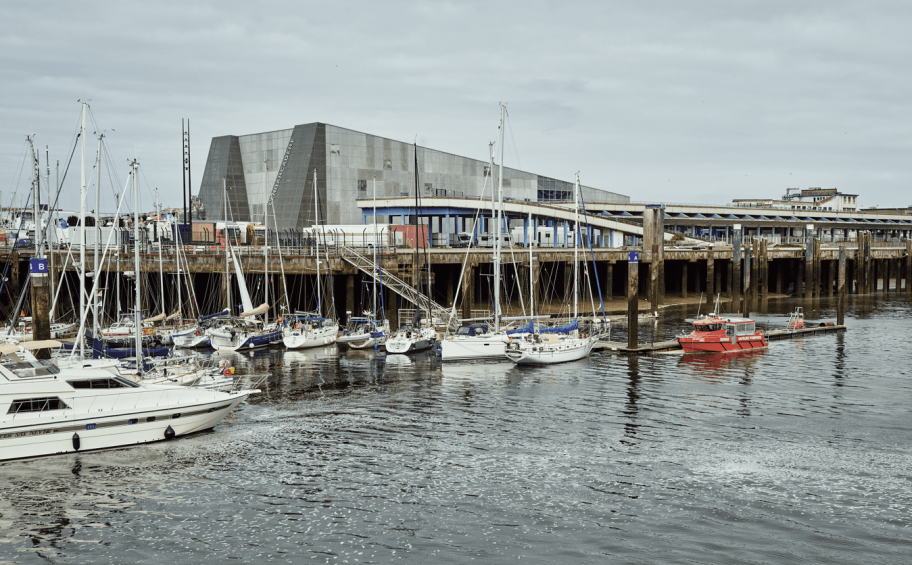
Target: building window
(362, 185)
(428, 187)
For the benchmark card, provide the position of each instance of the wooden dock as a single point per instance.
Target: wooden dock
(673, 345)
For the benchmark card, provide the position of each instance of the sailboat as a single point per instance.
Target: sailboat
(370, 330)
(559, 344)
(246, 331)
(479, 340)
(302, 329)
(417, 337)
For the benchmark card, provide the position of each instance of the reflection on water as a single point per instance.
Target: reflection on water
(795, 453)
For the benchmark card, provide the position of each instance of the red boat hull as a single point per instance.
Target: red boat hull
(722, 344)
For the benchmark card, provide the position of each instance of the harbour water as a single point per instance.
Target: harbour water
(800, 453)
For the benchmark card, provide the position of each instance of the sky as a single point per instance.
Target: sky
(663, 101)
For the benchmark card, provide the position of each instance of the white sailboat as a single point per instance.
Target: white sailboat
(560, 344)
(370, 330)
(481, 341)
(417, 337)
(303, 330)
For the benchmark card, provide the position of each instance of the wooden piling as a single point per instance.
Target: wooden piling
(841, 288)
(633, 315)
(735, 280)
(870, 282)
(746, 302)
(808, 272)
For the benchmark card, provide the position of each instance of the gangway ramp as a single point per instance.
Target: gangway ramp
(399, 286)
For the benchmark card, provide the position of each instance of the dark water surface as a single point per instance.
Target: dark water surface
(801, 453)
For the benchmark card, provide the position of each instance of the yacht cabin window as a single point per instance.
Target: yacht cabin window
(115, 382)
(36, 405)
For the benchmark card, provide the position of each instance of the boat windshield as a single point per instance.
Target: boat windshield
(709, 327)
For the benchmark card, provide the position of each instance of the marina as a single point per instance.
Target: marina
(369, 457)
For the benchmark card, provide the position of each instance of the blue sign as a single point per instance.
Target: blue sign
(38, 267)
(633, 256)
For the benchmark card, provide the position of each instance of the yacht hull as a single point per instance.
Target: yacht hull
(23, 439)
(550, 354)
(304, 339)
(468, 348)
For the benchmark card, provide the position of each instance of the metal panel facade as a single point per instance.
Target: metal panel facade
(347, 164)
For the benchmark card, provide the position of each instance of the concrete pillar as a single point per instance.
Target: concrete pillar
(633, 315)
(447, 228)
(717, 284)
(684, 279)
(710, 276)
(735, 280)
(608, 288)
(349, 299)
(776, 276)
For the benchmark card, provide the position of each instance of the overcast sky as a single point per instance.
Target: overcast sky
(664, 101)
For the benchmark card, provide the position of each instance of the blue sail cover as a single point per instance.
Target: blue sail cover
(530, 328)
(574, 325)
(100, 350)
(216, 315)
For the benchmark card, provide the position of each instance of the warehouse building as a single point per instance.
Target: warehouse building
(274, 171)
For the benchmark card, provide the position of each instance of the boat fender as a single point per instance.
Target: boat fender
(76, 442)
(198, 333)
(169, 433)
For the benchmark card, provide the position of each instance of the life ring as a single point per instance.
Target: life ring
(198, 333)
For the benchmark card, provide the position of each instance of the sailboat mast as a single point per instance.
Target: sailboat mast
(82, 213)
(531, 282)
(119, 243)
(376, 251)
(137, 313)
(316, 244)
(97, 267)
(497, 227)
(576, 247)
(266, 255)
(227, 251)
(161, 266)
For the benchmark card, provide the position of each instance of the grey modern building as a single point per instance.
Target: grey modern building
(279, 166)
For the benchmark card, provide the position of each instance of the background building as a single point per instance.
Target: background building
(280, 165)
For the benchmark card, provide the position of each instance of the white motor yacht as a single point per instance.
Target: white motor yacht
(47, 410)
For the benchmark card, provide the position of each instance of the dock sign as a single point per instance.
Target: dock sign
(633, 256)
(38, 267)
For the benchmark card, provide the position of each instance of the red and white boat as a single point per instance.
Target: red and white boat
(713, 334)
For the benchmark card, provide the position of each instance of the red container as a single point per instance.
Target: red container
(409, 238)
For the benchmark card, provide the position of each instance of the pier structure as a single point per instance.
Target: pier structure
(810, 271)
